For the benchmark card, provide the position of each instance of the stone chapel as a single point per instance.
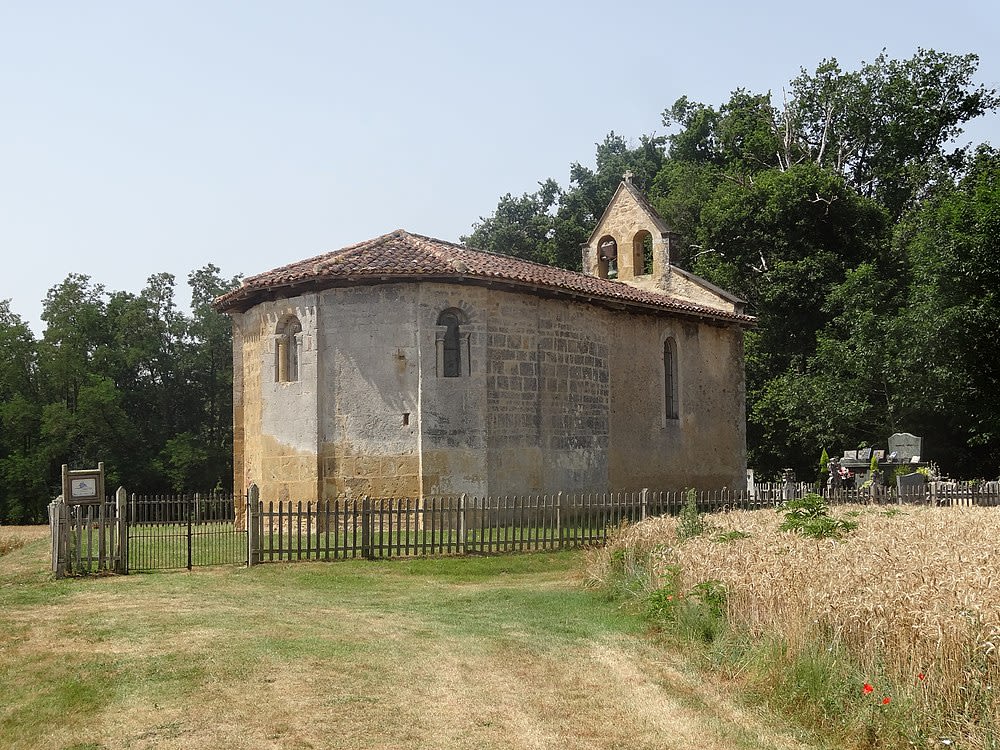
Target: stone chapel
(406, 366)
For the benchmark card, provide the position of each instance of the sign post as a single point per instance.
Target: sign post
(83, 486)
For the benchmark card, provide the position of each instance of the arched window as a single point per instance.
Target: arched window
(642, 253)
(452, 344)
(607, 258)
(288, 339)
(670, 379)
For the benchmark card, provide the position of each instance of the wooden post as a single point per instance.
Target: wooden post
(366, 529)
(102, 530)
(57, 517)
(461, 524)
(559, 530)
(121, 500)
(643, 500)
(253, 531)
(65, 553)
(66, 537)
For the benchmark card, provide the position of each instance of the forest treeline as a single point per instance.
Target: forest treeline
(123, 378)
(863, 238)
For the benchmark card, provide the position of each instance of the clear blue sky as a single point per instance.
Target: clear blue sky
(139, 137)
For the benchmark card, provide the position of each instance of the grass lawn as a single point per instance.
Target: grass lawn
(500, 652)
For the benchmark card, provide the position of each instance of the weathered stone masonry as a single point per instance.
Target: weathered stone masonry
(559, 397)
(408, 367)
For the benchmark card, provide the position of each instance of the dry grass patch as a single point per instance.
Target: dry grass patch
(912, 598)
(460, 653)
(15, 537)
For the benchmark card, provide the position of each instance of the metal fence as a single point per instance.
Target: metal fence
(167, 532)
(145, 533)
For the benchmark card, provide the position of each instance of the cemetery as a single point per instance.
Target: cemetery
(902, 470)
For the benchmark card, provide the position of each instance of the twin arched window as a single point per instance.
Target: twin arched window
(288, 340)
(641, 257)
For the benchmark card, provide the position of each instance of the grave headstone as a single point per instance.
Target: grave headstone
(851, 455)
(911, 485)
(906, 446)
(865, 454)
(788, 491)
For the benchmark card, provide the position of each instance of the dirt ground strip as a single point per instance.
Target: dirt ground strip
(238, 659)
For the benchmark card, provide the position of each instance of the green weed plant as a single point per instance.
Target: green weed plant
(810, 517)
(691, 522)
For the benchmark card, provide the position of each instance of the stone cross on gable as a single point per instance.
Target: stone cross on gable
(628, 176)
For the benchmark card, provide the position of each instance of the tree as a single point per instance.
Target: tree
(550, 225)
(878, 126)
(117, 377)
(952, 314)
(521, 227)
(22, 475)
(908, 335)
(855, 229)
(824, 467)
(210, 374)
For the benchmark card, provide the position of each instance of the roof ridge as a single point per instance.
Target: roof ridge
(490, 253)
(407, 256)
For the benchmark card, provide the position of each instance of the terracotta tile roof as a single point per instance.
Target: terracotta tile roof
(402, 256)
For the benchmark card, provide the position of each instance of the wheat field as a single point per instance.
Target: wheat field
(911, 595)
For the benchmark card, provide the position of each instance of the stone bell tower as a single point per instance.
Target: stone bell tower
(631, 244)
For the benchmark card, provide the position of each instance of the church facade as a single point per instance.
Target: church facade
(406, 366)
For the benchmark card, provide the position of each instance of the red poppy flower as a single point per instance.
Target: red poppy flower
(886, 700)
(867, 688)
(921, 676)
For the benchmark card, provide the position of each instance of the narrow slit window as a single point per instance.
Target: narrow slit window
(670, 379)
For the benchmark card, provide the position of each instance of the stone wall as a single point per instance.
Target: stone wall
(554, 396)
(677, 283)
(453, 410)
(275, 423)
(547, 396)
(369, 383)
(705, 446)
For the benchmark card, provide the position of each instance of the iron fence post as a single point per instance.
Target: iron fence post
(189, 508)
(121, 501)
(252, 513)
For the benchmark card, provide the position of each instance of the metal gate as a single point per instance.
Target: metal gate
(172, 532)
